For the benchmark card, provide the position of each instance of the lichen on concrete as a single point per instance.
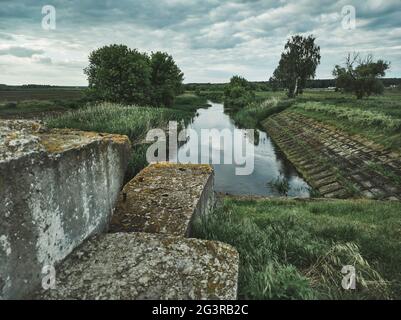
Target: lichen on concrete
(24, 137)
(163, 198)
(147, 266)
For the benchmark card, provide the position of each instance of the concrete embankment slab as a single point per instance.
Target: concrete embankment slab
(57, 187)
(147, 266)
(164, 198)
(335, 163)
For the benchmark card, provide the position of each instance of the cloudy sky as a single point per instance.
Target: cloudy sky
(210, 39)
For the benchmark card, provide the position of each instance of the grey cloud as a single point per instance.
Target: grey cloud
(44, 60)
(6, 36)
(20, 52)
(250, 34)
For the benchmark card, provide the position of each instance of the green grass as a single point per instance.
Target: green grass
(252, 115)
(353, 116)
(389, 103)
(214, 96)
(292, 249)
(132, 121)
(190, 102)
(36, 102)
(37, 107)
(18, 94)
(377, 118)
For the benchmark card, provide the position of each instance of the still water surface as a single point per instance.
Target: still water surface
(269, 162)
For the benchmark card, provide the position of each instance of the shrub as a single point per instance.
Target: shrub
(238, 93)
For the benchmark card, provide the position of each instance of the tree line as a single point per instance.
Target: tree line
(119, 74)
(297, 67)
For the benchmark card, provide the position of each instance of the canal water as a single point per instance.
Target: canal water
(269, 164)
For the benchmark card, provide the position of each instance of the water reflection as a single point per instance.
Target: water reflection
(269, 163)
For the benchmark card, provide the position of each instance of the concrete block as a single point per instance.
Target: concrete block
(128, 266)
(164, 198)
(57, 187)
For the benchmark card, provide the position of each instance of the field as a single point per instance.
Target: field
(17, 94)
(296, 249)
(20, 102)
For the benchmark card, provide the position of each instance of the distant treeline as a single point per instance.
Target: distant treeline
(257, 85)
(5, 87)
(266, 86)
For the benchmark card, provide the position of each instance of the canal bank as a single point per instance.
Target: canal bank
(335, 163)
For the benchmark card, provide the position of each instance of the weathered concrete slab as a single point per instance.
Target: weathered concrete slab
(164, 198)
(147, 266)
(57, 187)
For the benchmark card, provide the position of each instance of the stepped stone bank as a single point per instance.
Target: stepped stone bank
(335, 163)
(58, 192)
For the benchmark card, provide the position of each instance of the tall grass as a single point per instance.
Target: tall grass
(190, 102)
(132, 121)
(354, 115)
(291, 249)
(256, 112)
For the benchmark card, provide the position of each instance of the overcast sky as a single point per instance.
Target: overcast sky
(210, 39)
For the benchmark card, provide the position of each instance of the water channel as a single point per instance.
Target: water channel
(269, 164)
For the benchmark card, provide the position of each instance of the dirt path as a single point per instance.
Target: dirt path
(334, 163)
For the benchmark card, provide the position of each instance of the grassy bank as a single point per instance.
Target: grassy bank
(252, 115)
(190, 102)
(377, 118)
(214, 96)
(132, 121)
(291, 249)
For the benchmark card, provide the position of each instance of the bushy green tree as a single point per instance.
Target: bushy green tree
(298, 64)
(361, 76)
(238, 93)
(117, 73)
(166, 79)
